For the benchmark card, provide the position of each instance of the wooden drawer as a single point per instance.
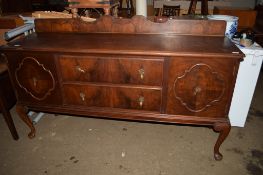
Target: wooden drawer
(114, 97)
(112, 70)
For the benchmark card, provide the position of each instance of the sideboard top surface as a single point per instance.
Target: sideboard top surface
(139, 44)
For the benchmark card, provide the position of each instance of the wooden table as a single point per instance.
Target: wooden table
(106, 5)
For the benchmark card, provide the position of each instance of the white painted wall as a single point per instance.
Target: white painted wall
(141, 7)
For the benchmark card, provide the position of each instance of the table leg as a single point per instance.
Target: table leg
(204, 7)
(9, 121)
(130, 7)
(120, 1)
(192, 7)
(107, 11)
(115, 11)
(223, 128)
(22, 113)
(74, 12)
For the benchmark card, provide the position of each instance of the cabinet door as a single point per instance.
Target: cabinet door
(201, 86)
(34, 77)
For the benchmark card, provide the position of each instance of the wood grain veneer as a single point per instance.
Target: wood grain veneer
(182, 71)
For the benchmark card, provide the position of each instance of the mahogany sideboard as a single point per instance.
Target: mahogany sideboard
(181, 71)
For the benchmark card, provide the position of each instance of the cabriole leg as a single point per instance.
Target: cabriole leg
(223, 128)
(22, 113)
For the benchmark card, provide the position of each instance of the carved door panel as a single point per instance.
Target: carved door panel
(35, 78)
(200, 86)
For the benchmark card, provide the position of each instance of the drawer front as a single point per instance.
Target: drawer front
(112, 70)
(114, 97)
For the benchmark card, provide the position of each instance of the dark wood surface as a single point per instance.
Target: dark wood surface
(175, 78)
(258, 28)
(10, 22)
(201, 85)
(127, 70)
(246, 16)
(34, 76)
(131, 44)
(137, 24)
(113, 97)
(15, 6)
